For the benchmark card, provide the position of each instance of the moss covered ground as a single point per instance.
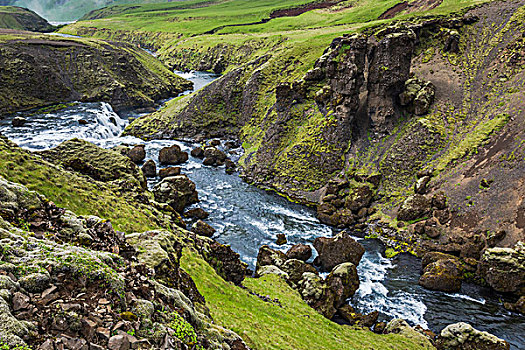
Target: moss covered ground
(284, 322)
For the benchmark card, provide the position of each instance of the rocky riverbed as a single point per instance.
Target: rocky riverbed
(247, 218)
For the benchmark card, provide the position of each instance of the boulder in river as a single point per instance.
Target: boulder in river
(343, 281)
(197, 152)
(203, 229)
(337, 250)
(444, 275)
(172, 155)
(504, 268)
(269, 256)
(213, 156)
(177, 191)
(197, 213)
(137, 154)
(169, 171)
(462, 336)
(299, 251)
(281, 239)
(18, 121)
(149, 169)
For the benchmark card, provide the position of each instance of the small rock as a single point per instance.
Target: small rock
(439, 201)
(18, 121)
(20, 301)
(300, 251)
(197, 152)
(83, 122)
(149, 168)
(197, 213)
(230, 166)
(518, 306)
(379, 327)
(420, 186)
(215, 142)
(137, 154)
(281, 239)
(170, 171)
(214, 156)
(47, 345)
(35, 282)
(203, 229)
(271, 270)
(118, 342)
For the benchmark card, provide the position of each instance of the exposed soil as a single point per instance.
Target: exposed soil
(418, 5)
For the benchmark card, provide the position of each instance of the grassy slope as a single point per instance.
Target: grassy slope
(12, 17)
(266, 325)
(68, 190)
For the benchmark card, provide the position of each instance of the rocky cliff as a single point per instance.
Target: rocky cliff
(43, 70)
(417, 124)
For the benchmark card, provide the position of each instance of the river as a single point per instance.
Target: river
(246, 218)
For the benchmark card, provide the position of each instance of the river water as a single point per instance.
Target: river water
(246, 218)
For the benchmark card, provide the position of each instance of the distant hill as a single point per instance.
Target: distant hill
(12, 17)
(68, 10)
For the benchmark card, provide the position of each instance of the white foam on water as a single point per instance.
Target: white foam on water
(466, 297)
(373, 295)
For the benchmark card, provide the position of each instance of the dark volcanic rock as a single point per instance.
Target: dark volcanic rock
(137, 154)
(214, 156)
(281, 239)
(170, 171)
(197, 152)
(177, 191)
(444, 275)
(337, 250)
(299, 251)
(149, 169)
(172, 155)
(269, 256)
(343, 281)
(203, 229)
(197, 213)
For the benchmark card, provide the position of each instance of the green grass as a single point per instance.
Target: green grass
(79, 194)
(266, 325)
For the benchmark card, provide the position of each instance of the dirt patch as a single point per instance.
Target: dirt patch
(520, 218)
(296, 11)
(418, 5)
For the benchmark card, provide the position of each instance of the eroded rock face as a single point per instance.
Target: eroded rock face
(463, 336)
(504, 269)
(177, 191)
(389, 69)
(42, 72)
(337, 250)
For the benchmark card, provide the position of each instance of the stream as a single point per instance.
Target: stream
(247, 217)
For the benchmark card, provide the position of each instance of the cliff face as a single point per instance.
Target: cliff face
(41, 70)
(416, 108)
(19, 18)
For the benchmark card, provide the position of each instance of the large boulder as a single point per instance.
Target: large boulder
(414, 207)
(149, 169)
(177, 191)
(269, 256)
(504, 269)
(226, 262)
(271, 270)
(214, 156)
(462, 336)
(172, 155)
(203, 229)
(137, 154)
(337, 250)
(295, 270)
(418, 95)
(401, 327)
(444, 275)
(317, 294)
(299, 251)
(343, 281)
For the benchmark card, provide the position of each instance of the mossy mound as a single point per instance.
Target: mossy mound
(18, 18)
